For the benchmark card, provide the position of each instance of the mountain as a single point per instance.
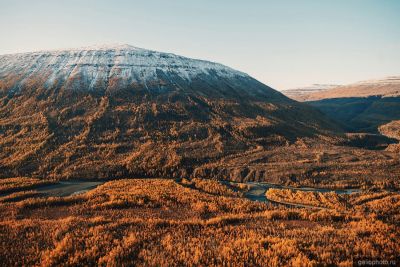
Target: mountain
(358, 107)
(386, 87)
(114, 111)
(302, 93)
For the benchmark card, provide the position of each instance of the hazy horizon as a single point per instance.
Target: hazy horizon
(283, 44)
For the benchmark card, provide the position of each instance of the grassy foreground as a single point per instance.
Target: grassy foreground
(193, 223)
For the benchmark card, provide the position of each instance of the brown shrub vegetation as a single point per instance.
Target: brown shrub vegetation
(162, 223)
(326, 200)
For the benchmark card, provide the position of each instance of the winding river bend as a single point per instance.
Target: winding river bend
(256, 190)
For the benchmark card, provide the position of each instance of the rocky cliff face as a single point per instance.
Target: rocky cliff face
(124, 111)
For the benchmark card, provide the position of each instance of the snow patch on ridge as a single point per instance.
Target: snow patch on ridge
(387, 80)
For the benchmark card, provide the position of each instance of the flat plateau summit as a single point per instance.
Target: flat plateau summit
(91, 68)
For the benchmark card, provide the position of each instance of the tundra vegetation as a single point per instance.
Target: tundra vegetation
(98, 114)
(164, 222)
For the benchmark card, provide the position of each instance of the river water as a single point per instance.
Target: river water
(256, 190)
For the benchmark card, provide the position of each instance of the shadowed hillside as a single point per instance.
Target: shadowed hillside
(359, 107)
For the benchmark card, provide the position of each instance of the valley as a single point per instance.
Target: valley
(255, 191)
(358, 107)
(199, 133)
(123, 156)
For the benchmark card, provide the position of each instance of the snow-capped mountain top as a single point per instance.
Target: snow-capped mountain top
(106, 47)
(100, 47)
(96, 65)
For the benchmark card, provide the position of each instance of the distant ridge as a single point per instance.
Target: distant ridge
(359, 107)
(385, 87)
(302, 93)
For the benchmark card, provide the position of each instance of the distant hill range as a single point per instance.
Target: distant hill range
(359, 107)
(303, 93)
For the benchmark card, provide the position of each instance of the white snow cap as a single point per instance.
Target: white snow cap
(96, 64)
(107, 47)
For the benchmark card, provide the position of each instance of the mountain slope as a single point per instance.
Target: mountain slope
(120, 110)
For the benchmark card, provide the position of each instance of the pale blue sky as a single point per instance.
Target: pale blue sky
(284, 43)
